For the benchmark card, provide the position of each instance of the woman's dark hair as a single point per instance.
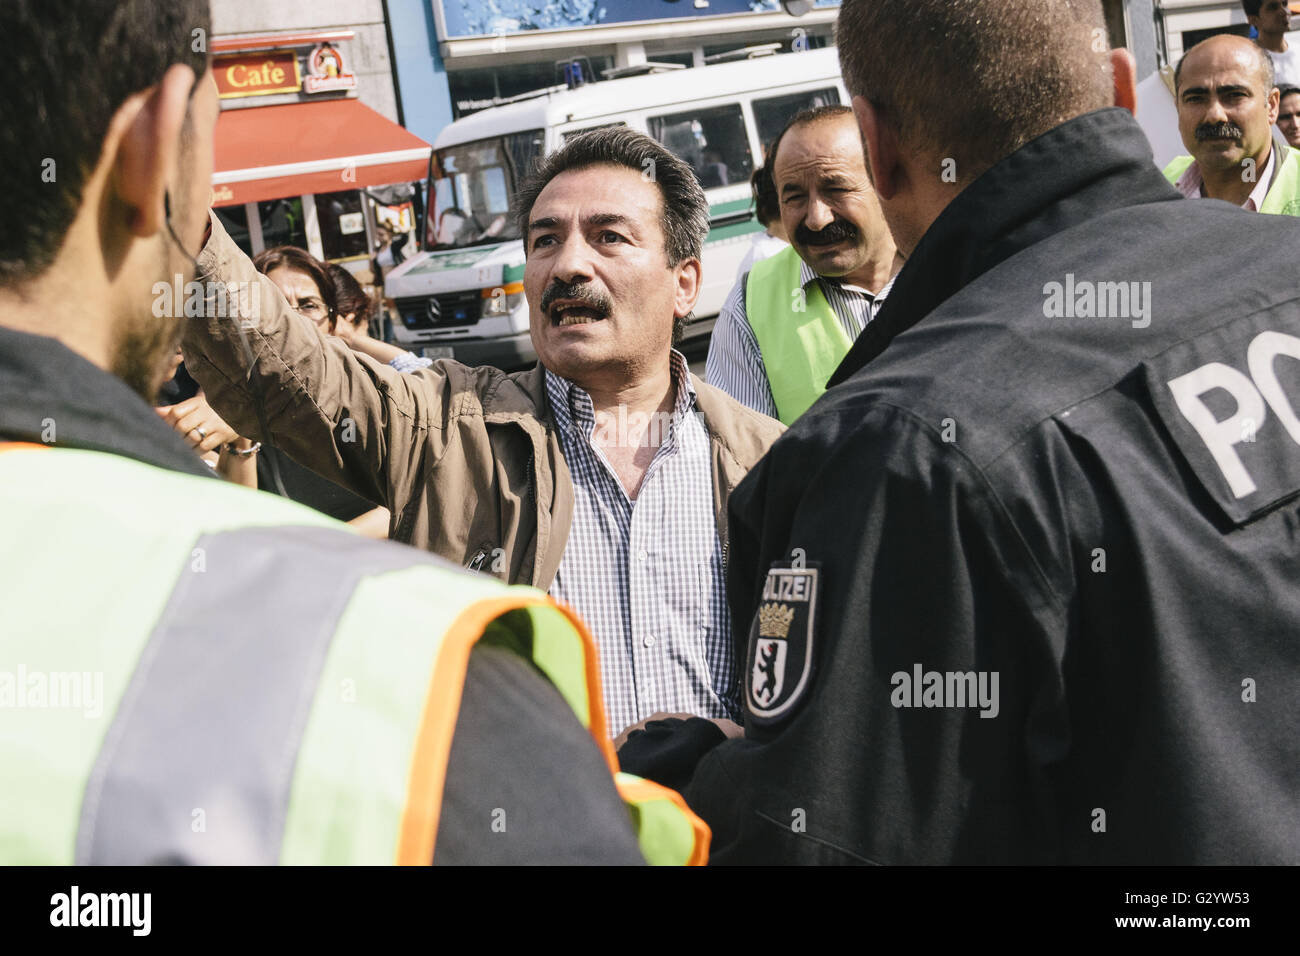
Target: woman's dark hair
(352, 299)
(300, 260)
(766, 204)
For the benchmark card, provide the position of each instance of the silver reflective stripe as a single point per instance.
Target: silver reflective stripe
(197, 765)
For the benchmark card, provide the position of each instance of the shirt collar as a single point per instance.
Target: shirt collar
(808, 274)
(570, 403)
(1256, 198)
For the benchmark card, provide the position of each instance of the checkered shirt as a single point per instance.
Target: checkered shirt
(647, 574)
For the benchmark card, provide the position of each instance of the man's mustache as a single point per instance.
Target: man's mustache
(1218, 131)
(837, 231)
(583, 292)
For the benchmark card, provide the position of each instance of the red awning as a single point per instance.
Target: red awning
(272, 152)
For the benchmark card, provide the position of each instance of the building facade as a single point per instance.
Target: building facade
(1185, 23)
(329, 107)
(309, 148)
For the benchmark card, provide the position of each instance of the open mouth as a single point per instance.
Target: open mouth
(566, 313)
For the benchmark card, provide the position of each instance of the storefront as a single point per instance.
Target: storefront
(321, 170)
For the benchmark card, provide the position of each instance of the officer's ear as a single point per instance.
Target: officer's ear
(144, 135)
(1125, 71)
(880, 143)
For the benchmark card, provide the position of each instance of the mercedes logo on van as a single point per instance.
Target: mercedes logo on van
(433, 310)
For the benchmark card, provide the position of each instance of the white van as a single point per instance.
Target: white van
(463, 297)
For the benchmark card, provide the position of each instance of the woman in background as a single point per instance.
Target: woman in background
(306, 284)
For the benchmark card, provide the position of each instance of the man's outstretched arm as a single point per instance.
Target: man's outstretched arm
(349, 418)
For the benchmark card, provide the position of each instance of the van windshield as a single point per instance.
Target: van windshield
(471, 189)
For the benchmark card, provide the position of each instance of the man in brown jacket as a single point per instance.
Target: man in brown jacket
(601, 475)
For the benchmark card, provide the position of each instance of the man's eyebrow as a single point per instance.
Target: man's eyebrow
(546, 222)
(608, 219)
(1224, 88)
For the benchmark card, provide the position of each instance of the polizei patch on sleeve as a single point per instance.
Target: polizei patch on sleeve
(780, 658)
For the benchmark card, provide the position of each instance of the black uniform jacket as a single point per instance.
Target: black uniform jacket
(517, 744)
(1048, 517)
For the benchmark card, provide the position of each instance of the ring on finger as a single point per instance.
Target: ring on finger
(203, 432)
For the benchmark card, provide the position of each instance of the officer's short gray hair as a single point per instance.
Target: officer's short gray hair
(974, 80)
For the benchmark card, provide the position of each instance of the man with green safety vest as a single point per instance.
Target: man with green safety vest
(1227, 105)
(788, 323)
(191, 671)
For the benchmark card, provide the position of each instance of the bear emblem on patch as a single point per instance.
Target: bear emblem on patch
(781, 642)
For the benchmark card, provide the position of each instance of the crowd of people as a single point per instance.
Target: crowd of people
(925, 570)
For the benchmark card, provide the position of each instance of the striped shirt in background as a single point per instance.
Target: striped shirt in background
(735, 363)
(647, 574)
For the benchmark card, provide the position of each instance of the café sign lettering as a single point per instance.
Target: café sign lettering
(256, 74)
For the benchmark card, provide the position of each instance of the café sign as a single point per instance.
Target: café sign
(257, 74)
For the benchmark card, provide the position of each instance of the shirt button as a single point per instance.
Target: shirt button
(650, 641)
(642, 555)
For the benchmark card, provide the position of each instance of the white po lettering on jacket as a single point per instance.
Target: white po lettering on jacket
(1251, 395)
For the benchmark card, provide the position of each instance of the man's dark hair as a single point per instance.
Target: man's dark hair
(300, 260)
(976, 80)
(685, 217)
(815, 114)
(1287, 91)
(766, 204)
(352, 299)
(1262, 60)
(67, 68)
(1251, 7)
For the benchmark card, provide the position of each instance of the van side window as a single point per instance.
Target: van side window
(713, 140)
(771, 114)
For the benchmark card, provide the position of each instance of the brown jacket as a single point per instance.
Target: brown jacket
(466, 459)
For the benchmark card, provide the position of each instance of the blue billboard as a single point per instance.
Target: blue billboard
(470, 18)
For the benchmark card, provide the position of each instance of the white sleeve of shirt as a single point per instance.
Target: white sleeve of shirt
(735, 363)
(410, 362)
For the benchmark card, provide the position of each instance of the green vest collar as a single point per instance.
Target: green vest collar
(799, 336)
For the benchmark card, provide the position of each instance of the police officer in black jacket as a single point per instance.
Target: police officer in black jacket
(1024, 585)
